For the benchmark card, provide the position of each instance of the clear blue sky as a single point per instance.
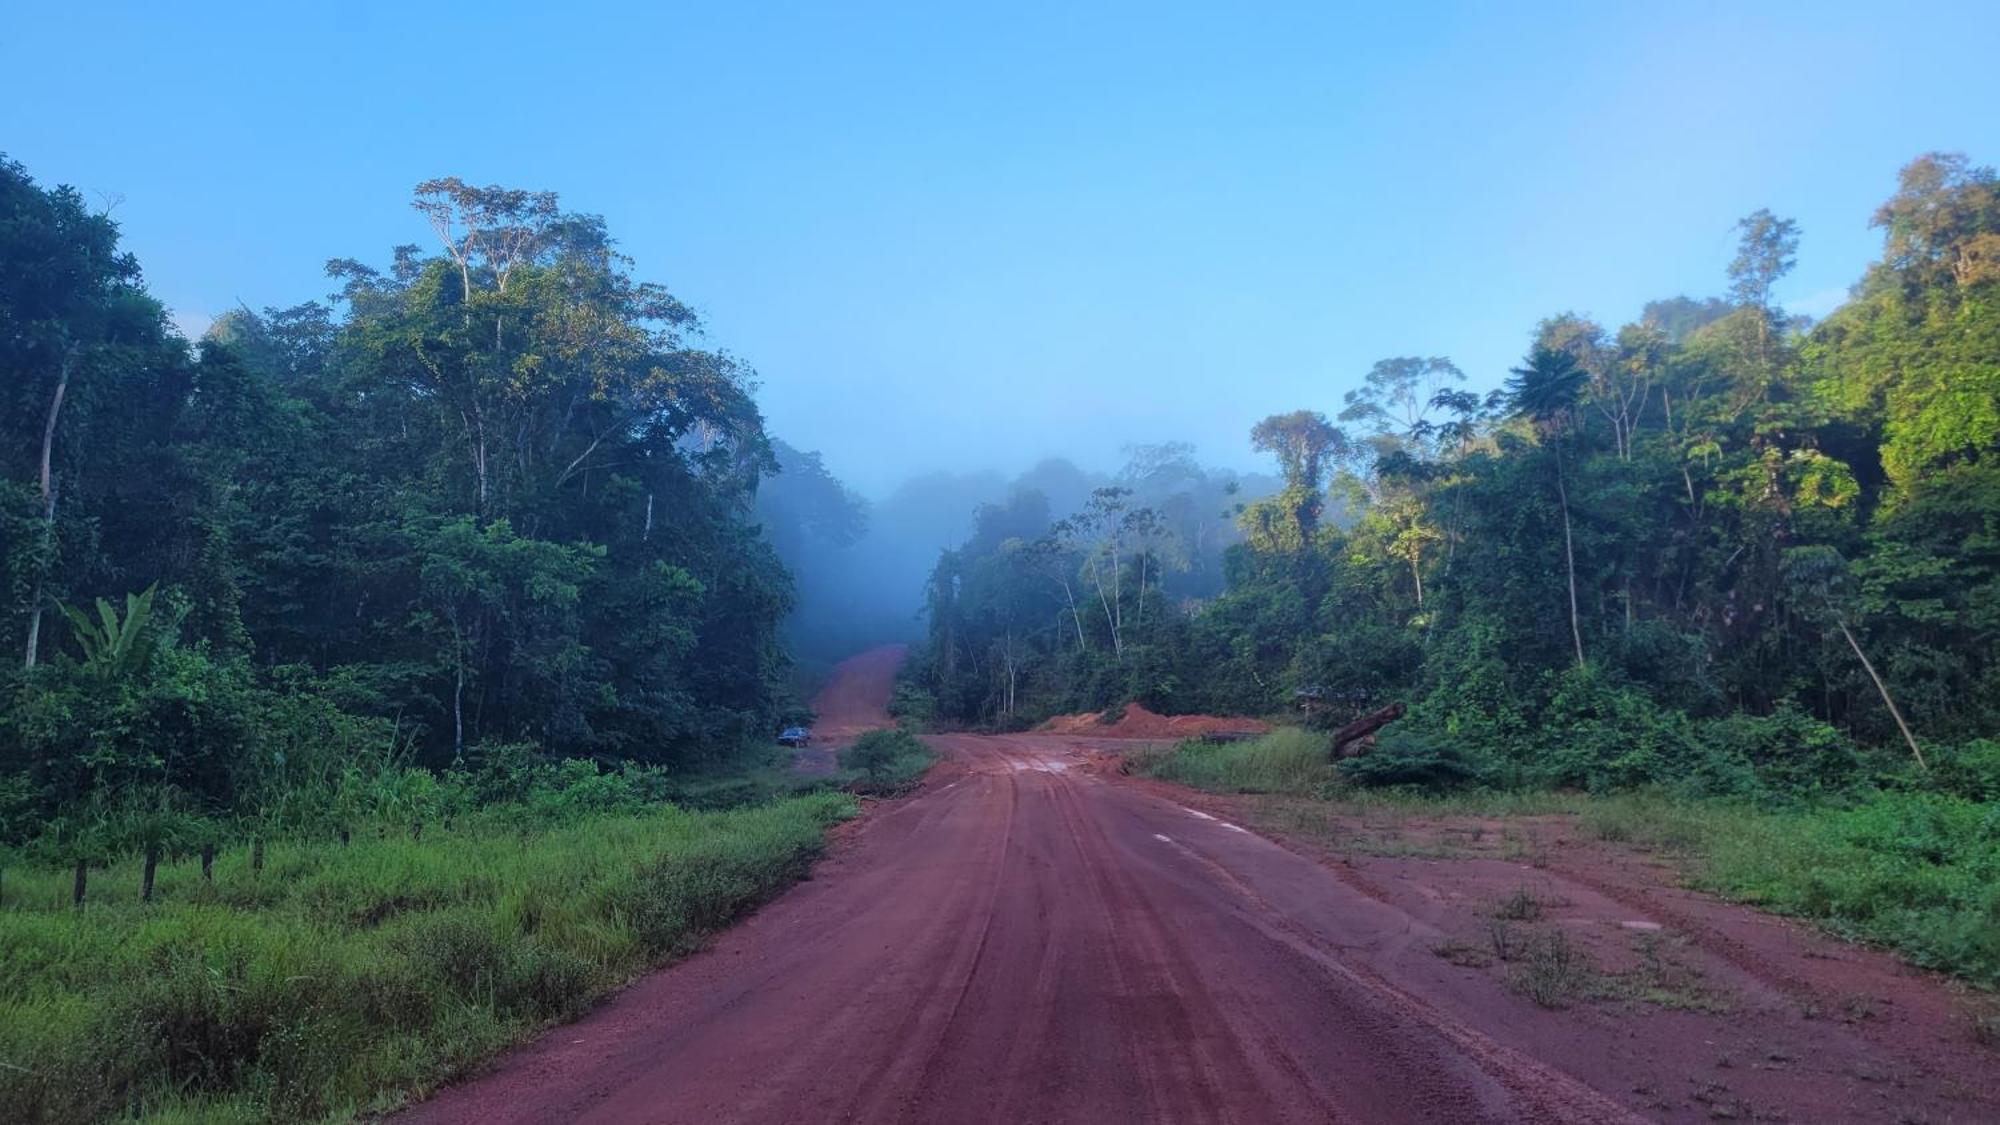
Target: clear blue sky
(956, 239)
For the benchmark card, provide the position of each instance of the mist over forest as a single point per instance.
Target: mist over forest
(861, 566)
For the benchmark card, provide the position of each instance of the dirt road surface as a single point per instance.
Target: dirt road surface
(1034, 938)
(855, 699)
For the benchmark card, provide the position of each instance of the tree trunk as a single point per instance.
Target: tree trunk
(208, 862)
(1075, 618)
(345, 835)
(1355, 738)
(48, 506)
(1139, 620)
(82, 882)
(257, 855)
(1417, 576)
(1894, 710)
(1117, 595)
(479, 451)
(1110, 618)
(1011, 671)
(152, 868)
(1569, 559)
(35, 599)
(458, 690)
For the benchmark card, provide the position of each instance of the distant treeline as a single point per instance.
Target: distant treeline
(861, 567)
(1719, 547)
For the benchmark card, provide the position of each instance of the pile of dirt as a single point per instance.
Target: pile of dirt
(1138, 722)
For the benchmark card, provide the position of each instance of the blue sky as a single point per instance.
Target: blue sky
(957, 238)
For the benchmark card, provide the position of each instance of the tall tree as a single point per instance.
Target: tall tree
(1305, 444)
(1545, 390)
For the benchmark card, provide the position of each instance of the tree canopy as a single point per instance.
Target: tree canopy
(496, 492)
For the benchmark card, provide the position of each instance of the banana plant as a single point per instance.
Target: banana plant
(114, 647)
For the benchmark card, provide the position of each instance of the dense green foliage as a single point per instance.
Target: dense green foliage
(491, 497)
(886, 759)
(1719, 548)
(342, 976)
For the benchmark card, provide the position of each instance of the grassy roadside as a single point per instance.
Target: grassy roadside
(343, 977)
(1916, 872)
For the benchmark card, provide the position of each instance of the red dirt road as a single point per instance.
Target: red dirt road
(856, 695)
(1030, 938)
(855, 699)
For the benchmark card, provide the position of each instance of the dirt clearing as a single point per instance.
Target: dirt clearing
(1137, 722)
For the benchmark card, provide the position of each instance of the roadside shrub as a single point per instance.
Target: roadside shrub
(1788, 749)
(1970, 770)
(1412, 759)
(886, 757)
(548, 982)
(455, 948)
(1554, 971)
(1600, 736)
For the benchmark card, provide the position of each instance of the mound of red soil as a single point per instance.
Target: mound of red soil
(1138, 722)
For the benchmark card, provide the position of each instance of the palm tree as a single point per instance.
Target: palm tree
(1546, 390)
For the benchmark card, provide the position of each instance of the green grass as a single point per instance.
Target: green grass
(1918, 873)
(1915, 872)
(342, 978)
(1287, 760)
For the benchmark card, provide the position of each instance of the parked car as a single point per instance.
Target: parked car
(794, 736)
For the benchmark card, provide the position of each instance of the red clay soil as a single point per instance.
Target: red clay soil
(1138, 722)
(854, 699)
(1032, 939)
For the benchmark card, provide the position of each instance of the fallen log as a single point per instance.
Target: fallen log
(1358, 737)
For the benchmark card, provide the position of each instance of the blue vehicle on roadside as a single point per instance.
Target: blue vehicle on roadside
(795, 736)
